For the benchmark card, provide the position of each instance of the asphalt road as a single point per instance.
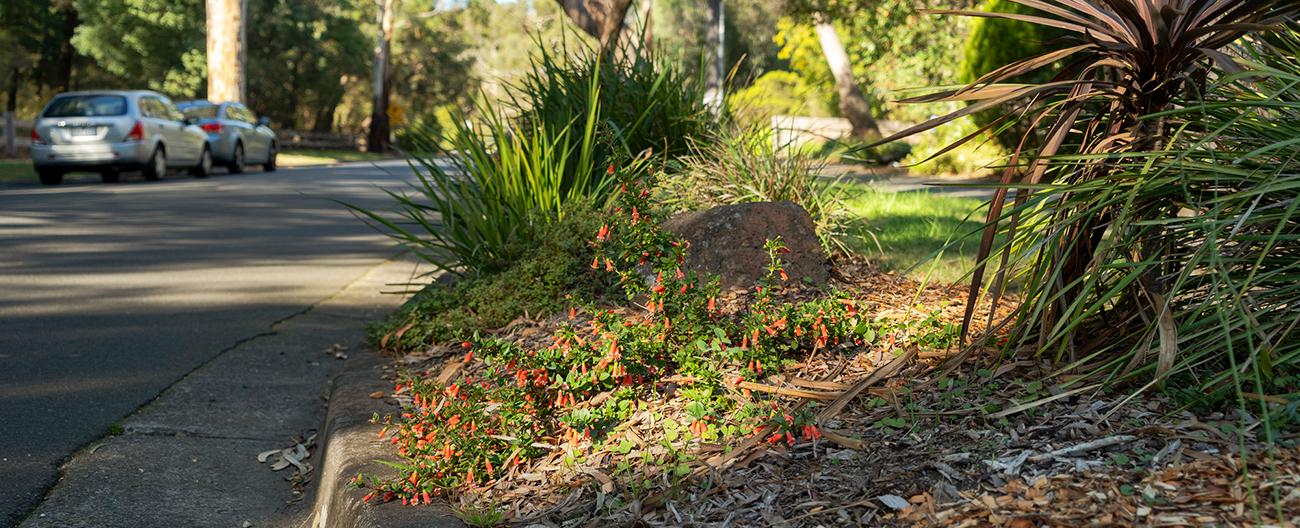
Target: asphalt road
(111, 293)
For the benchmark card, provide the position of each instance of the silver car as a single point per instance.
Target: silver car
(113, 131)
(238, 137)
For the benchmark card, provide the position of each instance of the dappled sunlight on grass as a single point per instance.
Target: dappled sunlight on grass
(306, 158)
(907, 230)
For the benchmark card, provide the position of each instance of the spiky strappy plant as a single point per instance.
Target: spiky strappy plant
(1086, 237)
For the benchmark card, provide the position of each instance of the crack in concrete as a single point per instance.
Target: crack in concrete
(182, 434)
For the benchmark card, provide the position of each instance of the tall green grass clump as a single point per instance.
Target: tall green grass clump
(1153, 234)
(557, 139)
(648, 101)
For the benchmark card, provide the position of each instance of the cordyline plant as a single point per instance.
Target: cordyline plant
(1083, 237)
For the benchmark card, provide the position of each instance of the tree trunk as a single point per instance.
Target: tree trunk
(853, 106)
(67, 54)
(226, 50)
(11, 147)
(377, 140)
(638, 36)
(11, 103)
(717, 43)
(602, 19)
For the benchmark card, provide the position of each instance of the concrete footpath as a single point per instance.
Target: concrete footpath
(189, 458)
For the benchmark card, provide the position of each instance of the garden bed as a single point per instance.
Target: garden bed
(918, 448)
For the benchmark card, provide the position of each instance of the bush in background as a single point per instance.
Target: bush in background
(995, 42)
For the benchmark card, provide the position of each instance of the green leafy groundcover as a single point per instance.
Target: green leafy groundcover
(508, 401)
(534, 285)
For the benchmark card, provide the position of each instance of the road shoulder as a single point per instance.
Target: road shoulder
(189, 458)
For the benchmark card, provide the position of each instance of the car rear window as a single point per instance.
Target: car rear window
(200, 111)
(87, 106)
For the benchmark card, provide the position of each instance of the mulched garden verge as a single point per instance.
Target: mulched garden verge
(917, 449)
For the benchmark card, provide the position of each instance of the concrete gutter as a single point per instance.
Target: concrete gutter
(352, 447)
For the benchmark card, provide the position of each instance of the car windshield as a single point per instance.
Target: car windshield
(199, 111)
(87, 106)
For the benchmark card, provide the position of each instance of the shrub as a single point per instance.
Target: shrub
(1153, 230)
(777, 93)
(742, 165)
(514, 169)
(647, 101)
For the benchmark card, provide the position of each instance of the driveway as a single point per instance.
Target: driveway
(109, 294)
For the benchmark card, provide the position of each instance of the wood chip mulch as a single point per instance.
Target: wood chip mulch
(967, 449)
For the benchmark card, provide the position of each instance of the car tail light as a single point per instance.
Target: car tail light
(211, 128)
(136, 133)
(36, 138)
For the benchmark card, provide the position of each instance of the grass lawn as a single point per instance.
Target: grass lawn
(16, 170)
(305, 158)
(910, 229)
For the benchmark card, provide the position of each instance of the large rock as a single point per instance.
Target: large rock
(728, 241)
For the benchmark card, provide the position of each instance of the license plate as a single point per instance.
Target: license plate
(83, 131)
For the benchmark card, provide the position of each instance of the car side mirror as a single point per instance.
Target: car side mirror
(189, 120)
(264, 121)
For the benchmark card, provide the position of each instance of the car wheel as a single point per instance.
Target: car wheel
(269, 166)
(50, 176)
(204, 168)
(236, 165)
(110, 176)
(156, 167)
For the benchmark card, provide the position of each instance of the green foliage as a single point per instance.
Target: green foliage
(680, 28)
(300, 58)
(995, 42)
(535, 284)
(31, 33)
(647, 101)
(892, 45)
(155, 43)
(508, 179)
(857, 150)
(743, 164)
(298, 54)
(777, 93)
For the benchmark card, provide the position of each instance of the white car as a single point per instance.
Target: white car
(113, 131)
(237, 136)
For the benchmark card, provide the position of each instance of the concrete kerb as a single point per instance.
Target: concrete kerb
(351, 448)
